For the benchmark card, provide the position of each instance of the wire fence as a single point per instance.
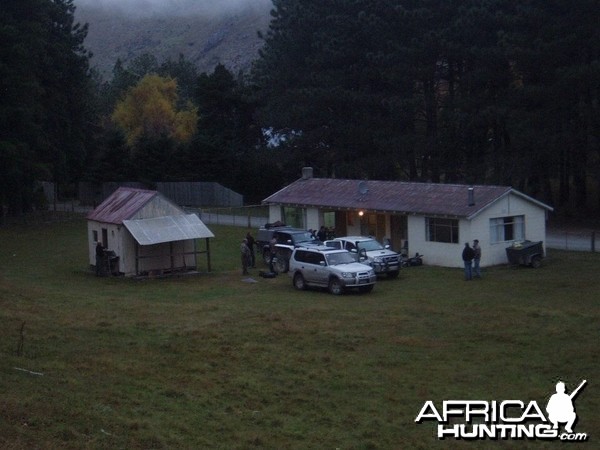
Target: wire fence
(253, 216)
(581, 241)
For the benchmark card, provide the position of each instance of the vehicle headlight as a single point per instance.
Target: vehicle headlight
(378, 259)
(348, 275)
(371, 273)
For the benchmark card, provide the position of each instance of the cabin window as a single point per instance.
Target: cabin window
(294, 217)
(329, 219)
(441, 230)
(510, 228)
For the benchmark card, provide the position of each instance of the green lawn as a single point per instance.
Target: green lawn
(211, 361)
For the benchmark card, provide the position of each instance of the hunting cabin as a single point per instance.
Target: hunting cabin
(432, 219)
(145, 233)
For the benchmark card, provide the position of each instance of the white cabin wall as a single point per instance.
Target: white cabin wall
(91, 227)
(159, 206)
(275, 213)
(128, 244)
(314, 218)
(435, 253)
(450, 254)
(511, 205)
(113, 237)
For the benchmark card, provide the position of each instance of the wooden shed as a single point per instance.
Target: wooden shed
(144, 233)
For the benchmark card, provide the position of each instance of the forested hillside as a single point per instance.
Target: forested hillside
(229, 37)
(451, 91)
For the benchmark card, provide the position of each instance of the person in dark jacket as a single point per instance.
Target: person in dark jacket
(251, 243)
(467, 255)
(99, 258)
(322, 234)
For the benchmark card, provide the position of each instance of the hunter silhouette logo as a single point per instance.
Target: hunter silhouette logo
(560, 407)
(506, 419)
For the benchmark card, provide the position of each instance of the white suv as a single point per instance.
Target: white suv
(327, 267)
(366, 249)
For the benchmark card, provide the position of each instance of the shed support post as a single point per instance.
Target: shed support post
(171, 254)
(208, 254)
(195, 254)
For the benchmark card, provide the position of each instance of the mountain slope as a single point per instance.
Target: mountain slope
(229, 38)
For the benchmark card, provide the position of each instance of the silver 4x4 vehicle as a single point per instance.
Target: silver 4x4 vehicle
(368, 251)
(328, 267)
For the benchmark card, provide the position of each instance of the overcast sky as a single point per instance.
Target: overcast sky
(173, 7)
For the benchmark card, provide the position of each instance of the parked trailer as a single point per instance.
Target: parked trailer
(526, 253)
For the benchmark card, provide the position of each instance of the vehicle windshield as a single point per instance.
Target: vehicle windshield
(339, 258)
(299, 238)
(370, 245)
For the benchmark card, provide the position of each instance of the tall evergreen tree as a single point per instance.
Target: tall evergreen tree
(45, 88)
(225, 148)
(555, 47)
(319, 74)
(475, 91)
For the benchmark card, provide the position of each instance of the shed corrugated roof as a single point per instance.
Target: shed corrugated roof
(392, 196)
(121, 205)
(167, 229)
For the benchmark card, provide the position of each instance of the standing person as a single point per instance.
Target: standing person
(245, 255)
(99, 258)
(467, 256)
(273, 251)
(476, 259)
(251, 244)
(322, 234)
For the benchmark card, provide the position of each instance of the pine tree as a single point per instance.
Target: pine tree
(44, 115)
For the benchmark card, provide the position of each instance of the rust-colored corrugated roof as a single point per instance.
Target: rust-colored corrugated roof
(121, 205)
(391, 196)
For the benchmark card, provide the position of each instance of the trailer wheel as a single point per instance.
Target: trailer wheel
(536, 262)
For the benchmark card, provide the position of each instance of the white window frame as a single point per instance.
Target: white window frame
(507, 229)
(452, 224)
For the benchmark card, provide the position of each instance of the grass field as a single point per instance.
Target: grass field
(211, 361)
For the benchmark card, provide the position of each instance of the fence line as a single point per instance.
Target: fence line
(582, 241)
(253, 216)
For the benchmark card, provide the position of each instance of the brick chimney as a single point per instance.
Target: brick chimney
(307, 172)
(471, 196)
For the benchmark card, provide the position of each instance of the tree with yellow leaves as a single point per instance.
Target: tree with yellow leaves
(149, 112)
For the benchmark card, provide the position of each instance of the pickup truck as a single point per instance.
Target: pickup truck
(368, 251)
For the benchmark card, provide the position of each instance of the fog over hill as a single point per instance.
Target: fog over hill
(206, 32)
